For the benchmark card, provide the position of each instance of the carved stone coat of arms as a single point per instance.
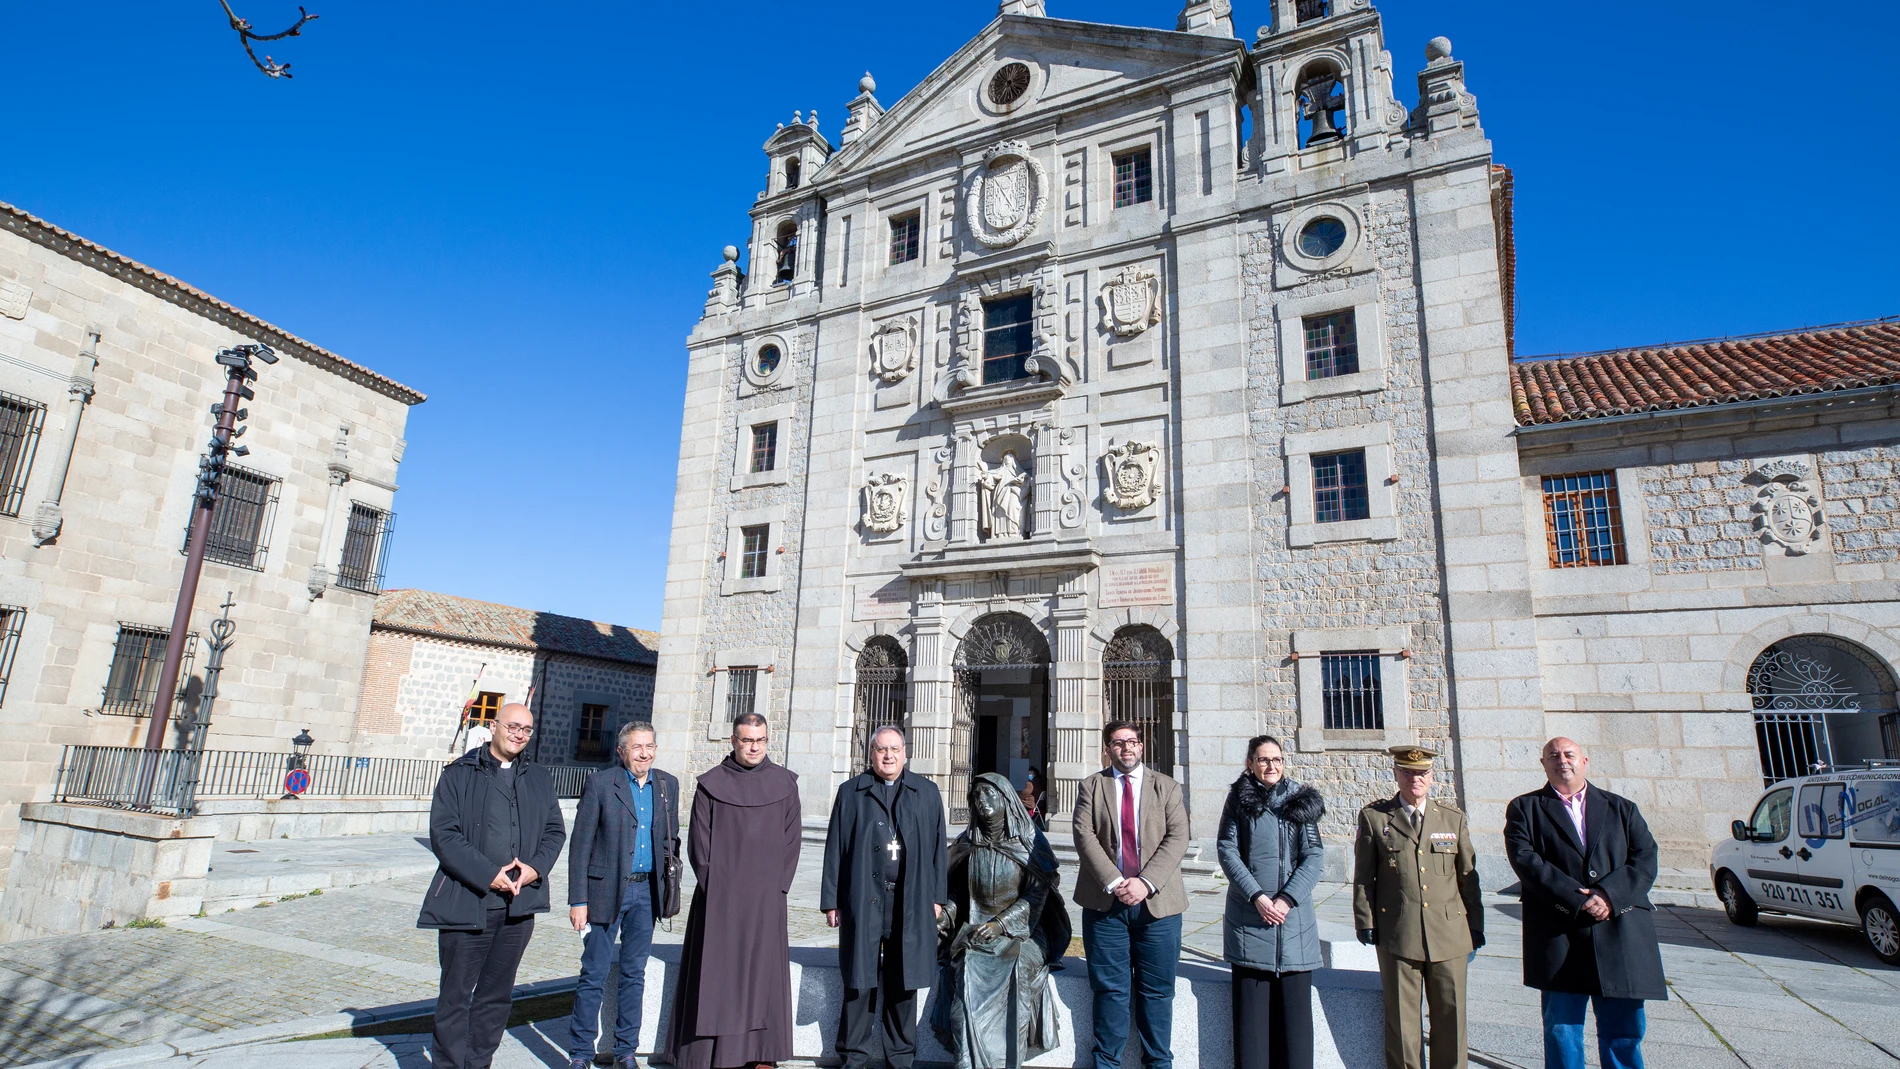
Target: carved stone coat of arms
(1131, 301)
(1006, 197)
(1131, 478)
(894, 349)
(886, 502)
(1787, 510)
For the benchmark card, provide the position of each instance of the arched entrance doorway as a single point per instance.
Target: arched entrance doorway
(1820, 702)
(1000, 716)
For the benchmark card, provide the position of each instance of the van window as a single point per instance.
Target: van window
(1821, 810)
(1877, 810)
(1770, 823)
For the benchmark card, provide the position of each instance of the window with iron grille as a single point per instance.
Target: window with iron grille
(137, 660)
(1583, 523)
(742, 689)
(905, 230)
(1008, 337)
(1350, 694)
(365, 549)
(764, 447)
(1332, 345)
(1339, 487)
(241, 519)
(1138, 686)
(483, 709)
(20, 421)
(590, 734)
(882, 693)
(752, 551)
(1134, 178)
(12, 619)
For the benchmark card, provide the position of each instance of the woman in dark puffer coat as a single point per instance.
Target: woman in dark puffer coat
(1270, 849)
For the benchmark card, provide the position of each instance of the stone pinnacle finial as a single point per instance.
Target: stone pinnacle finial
(731, 253)
(1437, 48)
(867, 84)
(797, 117)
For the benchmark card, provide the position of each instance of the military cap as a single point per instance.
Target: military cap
(1412, 758)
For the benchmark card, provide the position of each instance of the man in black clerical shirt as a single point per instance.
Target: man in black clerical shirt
(884, 886)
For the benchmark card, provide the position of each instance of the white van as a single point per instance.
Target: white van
(1824, 846)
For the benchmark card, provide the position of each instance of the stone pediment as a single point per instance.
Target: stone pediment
(1070, 65)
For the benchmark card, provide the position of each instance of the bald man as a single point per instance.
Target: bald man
(495, 827)
(1586, 861)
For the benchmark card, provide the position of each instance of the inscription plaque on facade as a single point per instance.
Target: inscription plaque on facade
(1137, 584)
(890, 601)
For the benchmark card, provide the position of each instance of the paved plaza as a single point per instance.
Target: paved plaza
(1785, 994)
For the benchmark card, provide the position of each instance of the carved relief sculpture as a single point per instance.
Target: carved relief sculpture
(1131, 301)
(1007, 196)
(1002, 497)
(14, 299)
(937, 516)
(894, 349)
(1069, 513)
(886, 502)
(1131, 475)
(1786, 509)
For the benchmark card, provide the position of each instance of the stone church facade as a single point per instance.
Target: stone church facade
(1124, 373)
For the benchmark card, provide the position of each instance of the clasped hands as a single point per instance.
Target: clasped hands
(512, 885)
(1272, 908)
(1131, 891)
(1594, 904)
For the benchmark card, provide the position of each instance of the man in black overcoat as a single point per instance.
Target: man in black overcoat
(495, 828)
(884, 889)
(1586, 861)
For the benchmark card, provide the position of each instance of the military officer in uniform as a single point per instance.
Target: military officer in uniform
(1415, 897)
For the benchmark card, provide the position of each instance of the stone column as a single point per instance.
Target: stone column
(79, 388)
(320, 571)
(964, 465)
(1042, 439)
(929, 687)
(1069, 752)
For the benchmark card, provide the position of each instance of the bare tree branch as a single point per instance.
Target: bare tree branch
(270, 67)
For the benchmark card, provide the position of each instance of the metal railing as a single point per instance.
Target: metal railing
(157, 781)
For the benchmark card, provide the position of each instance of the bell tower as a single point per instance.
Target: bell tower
(1325, 86)
(788, 217)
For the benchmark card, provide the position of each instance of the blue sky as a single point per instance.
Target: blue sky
(514, 207)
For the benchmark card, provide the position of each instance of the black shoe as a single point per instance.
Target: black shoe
(626, 1061)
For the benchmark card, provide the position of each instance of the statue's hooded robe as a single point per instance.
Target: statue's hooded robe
(733, 1002)
(1011, 879)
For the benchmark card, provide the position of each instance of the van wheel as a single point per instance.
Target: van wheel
(1882, 926)
(1736, 903)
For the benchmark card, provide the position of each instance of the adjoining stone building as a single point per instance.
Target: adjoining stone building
(106, 381)
(429, 652)
(1118, 372)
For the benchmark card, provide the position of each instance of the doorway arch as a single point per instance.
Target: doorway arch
(1820, 702)
(1000, 708)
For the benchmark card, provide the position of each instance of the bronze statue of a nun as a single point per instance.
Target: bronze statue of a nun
(1006, 925)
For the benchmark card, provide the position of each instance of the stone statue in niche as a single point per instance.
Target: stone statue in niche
(1131, 301)
(1002, 500)
(1132, 476)
(1787, 510)
(886, 502)
(894, 349)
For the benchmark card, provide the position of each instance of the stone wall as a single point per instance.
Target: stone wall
(89, 867)
(1863, 503)
(569, 682)
(1701, 517)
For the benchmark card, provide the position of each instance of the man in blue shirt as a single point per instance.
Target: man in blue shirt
(625, 829)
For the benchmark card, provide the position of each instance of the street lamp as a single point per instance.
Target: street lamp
(296, 766)
(303, 742)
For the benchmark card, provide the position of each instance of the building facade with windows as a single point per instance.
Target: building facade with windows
(1119, 373)
(431, 655)
(106, 383)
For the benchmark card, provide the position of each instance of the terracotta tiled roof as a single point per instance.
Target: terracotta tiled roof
(426, 612)
(97, 256)
(1843, 357)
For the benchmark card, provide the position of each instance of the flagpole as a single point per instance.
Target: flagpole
(474, 689)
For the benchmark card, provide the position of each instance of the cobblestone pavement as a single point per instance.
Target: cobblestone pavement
(1788, 992)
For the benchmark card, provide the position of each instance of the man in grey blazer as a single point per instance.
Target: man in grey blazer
(625, 829)
(1131, 831)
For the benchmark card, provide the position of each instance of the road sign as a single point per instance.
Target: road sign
(296, 781)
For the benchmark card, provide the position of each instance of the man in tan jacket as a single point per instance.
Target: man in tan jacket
(1131, 830)
(1415, 897)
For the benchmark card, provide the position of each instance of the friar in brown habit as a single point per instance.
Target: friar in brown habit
(732, 1006)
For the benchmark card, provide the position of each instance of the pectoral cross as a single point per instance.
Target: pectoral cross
(893, 847)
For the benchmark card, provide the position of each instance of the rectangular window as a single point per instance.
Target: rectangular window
(1818, 811)
(752, 552)
(1332, 345)
(742, 689)
(137, 660)
(241, 518)
(20, 421)
(1008, 337)
(483, 709)
(905, 230)
(1583, 523)
(12, 619)
(365, 549)
(764, 447)
(590, 736)
(1339, 487)
(1350, 693)
(1134, 178)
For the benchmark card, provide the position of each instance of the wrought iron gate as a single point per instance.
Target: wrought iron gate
(883, 696)
(1138, 686)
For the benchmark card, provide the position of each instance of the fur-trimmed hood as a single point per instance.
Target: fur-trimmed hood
(1291, 801)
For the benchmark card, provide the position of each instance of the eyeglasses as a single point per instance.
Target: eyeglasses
(518, 729)
(1270, 761)
(1124, 744)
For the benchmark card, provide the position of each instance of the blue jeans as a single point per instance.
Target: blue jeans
(1129, 949)
(1620, 1023)
(633, 929)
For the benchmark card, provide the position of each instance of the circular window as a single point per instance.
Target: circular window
(768, 360)
(1008, 85)
(1322, 237)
